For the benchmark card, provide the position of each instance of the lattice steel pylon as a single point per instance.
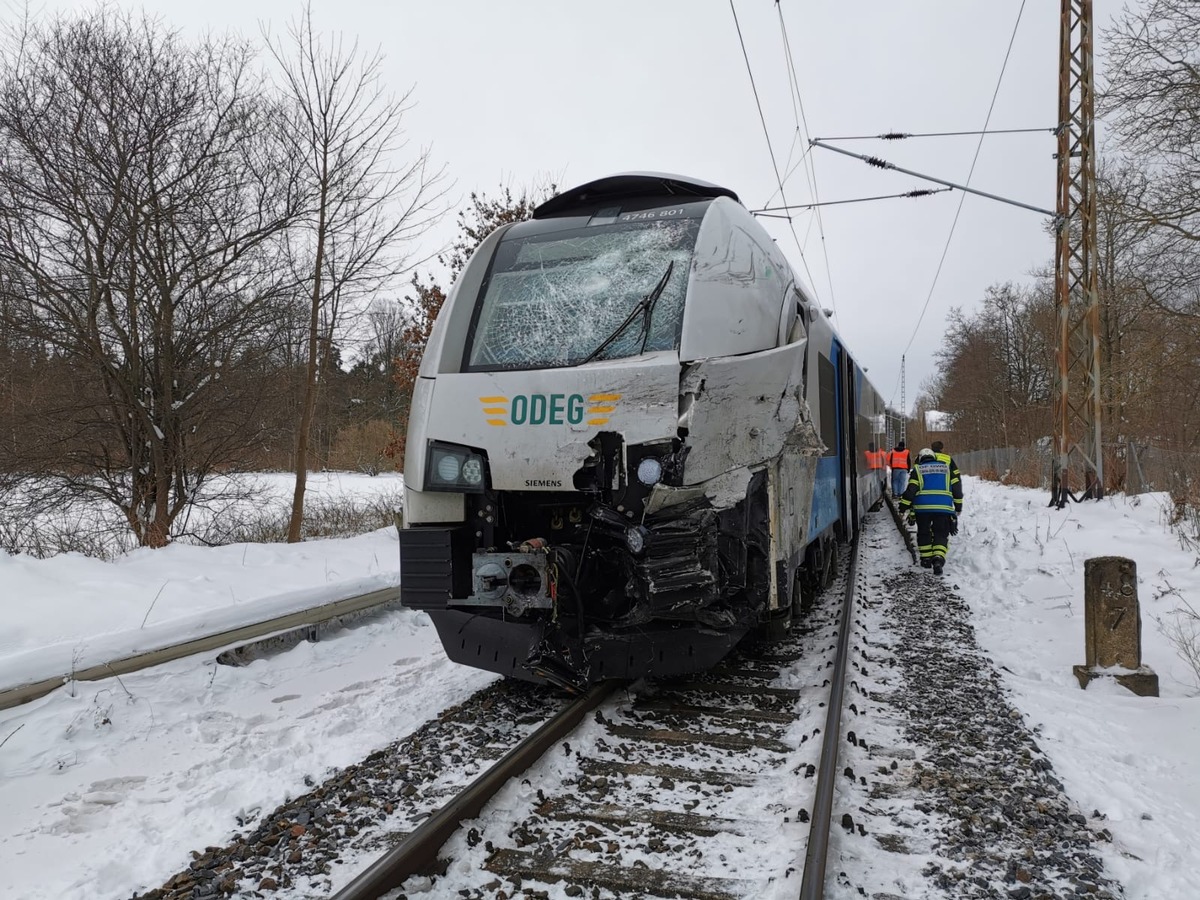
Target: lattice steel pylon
(1077, 409)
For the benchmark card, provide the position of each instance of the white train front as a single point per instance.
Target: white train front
(633, 440)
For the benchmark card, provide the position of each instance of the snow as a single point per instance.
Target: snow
(105, 787)
(935, 420)
(78, 611)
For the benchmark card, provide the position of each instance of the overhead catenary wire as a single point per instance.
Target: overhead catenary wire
(767, 134)
(884, 164)
(807, 157)
(958, 212)
(810, 170)
(917, 192)
(904, 135)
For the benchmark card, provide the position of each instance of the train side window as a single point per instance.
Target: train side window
(828, 397)
(799, 326)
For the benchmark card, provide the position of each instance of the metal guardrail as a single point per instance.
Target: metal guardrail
(274, 628)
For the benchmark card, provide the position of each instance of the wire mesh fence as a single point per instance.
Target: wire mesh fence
(1129, 468)
(1027, 466)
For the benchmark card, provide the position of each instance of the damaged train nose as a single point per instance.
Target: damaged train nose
(631, 439)
(515, 581)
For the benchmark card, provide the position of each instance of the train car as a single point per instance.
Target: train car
(634, 439)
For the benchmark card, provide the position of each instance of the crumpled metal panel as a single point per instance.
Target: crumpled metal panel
(738, 283)
(742, 409)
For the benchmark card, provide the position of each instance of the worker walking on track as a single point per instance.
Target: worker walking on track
(897, 460)
(935, 500)
(875, 463)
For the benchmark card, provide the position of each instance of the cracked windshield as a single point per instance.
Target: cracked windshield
(556, 299)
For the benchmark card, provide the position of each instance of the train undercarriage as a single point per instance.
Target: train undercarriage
(607, 582)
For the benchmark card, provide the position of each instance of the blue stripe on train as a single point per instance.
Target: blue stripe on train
(825, 504)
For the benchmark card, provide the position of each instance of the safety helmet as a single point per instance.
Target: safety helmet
(926, 453)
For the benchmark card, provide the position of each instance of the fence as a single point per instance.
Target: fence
(1129, 468)
(1028, 466)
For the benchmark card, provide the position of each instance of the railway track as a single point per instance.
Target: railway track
(679, 771)
(732, 784)
(708, 788)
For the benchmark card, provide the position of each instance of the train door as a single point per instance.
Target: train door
(847, 420)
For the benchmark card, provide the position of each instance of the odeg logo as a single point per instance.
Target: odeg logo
(549, 409)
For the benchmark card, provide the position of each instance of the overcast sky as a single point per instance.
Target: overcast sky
(521, 91)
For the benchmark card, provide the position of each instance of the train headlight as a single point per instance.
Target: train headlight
(472, 471)
(649, 471)
(448, 468)
(635, 539)
(451, 468)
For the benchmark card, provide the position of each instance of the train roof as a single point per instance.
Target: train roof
(626, 186)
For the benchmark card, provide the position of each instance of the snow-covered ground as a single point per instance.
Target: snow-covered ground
(104, 789)
(73, 611)
(1135, 759)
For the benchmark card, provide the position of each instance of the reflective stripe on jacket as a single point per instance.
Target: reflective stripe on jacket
(955, 476)
(930, 491)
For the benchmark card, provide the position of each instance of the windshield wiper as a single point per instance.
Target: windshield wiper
(645, 306)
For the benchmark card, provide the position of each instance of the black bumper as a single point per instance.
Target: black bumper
(554, 653)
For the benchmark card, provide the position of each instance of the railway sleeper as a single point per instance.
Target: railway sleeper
(714, 712)
(609, 769)
(569, 809)
(777, 655)
(679, 720)
(622, 880)
(692, 738)
(756, 692)
(743, 671)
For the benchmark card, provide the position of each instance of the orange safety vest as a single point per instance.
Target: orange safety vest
(898, 459)
(875, 459)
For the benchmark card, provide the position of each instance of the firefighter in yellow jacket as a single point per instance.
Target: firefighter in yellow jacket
(934, 498)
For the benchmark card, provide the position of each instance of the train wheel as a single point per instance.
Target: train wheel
(808, 587)
(779, 622)
(779, 626)
(831, 564)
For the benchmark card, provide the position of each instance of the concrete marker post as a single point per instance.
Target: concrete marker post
(1113, 626)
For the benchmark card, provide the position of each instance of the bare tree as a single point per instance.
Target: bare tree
(376, 393)
(484, 215)
(995, 368)
(346, 131)
(142, 198)
(385, 326)
(1152, 101)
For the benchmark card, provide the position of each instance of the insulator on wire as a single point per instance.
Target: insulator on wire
(894, 136)
(877, 162)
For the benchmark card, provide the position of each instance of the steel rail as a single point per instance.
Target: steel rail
(417, 853)
(812, 883)
(313, 616)
(905, 534)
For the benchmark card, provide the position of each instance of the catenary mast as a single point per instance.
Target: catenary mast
(1077, 447)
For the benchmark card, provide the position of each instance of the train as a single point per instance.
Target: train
(635, 438)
